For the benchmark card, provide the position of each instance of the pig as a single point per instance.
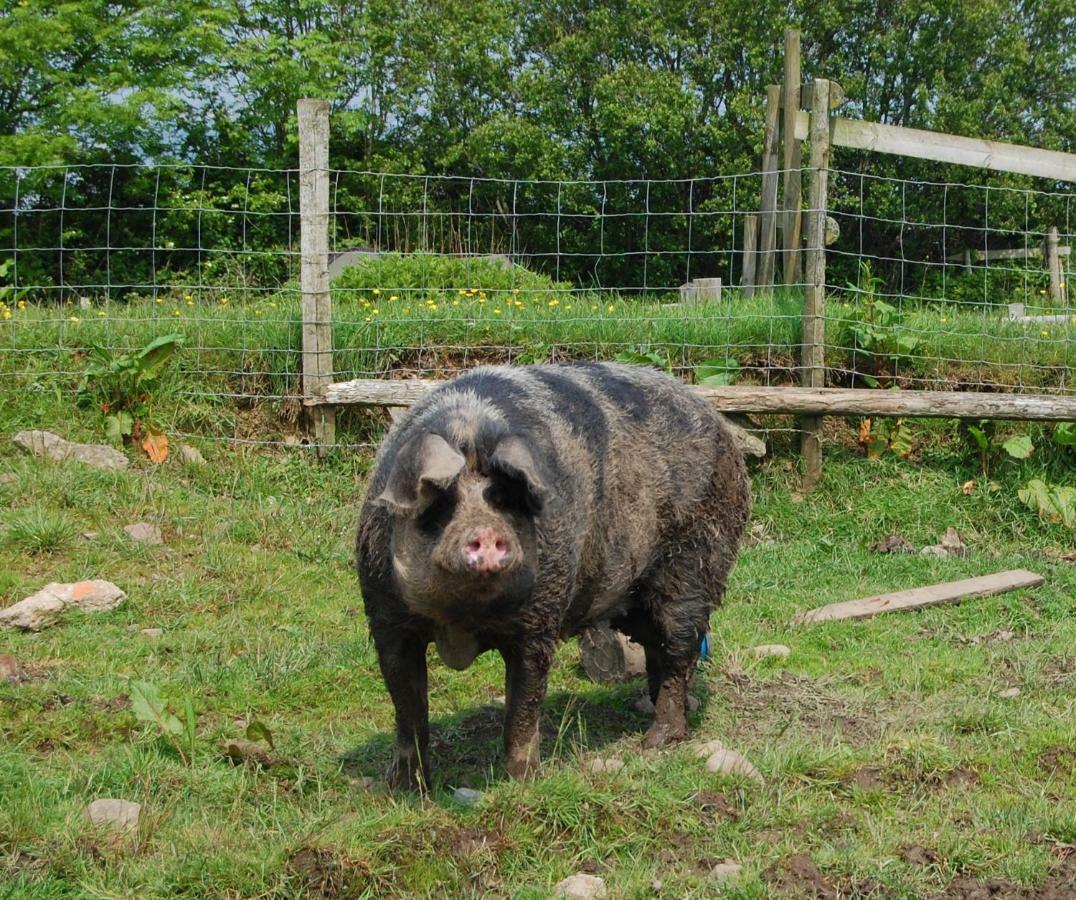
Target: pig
(513, 507)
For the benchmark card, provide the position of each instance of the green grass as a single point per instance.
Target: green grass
(874, 736)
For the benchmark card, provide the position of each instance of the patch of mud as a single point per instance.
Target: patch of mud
(326, 874)
(1059, 884)
(1058, 760)
(869, 778)
(768, 706)
(716, 807)
(916, 855)
(798, 876)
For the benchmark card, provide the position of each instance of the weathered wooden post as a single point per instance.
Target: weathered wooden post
(792, 197)
(1053, 265)
(750, 255)
(767, 219)
(812, 350)
(313, 116)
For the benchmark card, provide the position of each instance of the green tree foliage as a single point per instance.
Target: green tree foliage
(566, 89)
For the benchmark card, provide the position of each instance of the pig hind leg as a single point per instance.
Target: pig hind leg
(677, 603)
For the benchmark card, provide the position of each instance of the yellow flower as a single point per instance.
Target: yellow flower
(1044, 333)
(515, 290)
(611, 308)
(433, 306)
(406, 310)
(272, 306)
(1043, 291)
(376, 291)
(554, 303)
(481, 300)
(482, 295)
(175, 312)
(190, 303)
(159, 300)
(188, 298)
(394, 297)
(496, 311)
(223, 301)
(69, 318)
(21, 304)
(375, 312)
(7, 314)
(100, 314)
(462, 292)
(455, 302)
(593, 307)
(568, 307)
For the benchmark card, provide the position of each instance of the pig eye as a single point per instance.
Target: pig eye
(508, 494)
(438, 514)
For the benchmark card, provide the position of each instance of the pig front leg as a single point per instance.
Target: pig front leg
(402, 657)
(526, 679)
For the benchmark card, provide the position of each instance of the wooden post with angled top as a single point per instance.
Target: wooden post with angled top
(792, 197)
(813, 346)
(767, 218)
(313, 117)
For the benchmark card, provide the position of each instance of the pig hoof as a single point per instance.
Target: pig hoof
(660, 734)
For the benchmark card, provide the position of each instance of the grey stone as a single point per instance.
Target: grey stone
(43, 608)
(705, 751)
(152, 632)
(466, 796)
(607, 766)
(52, 446)
(608, 655)
(144, 533)
(119, 814)
(32, 614)
(1009, 693)
(581, 887)
(89, 596)
(764, 650)
(729, 762)
(726, 871)
(191, 455)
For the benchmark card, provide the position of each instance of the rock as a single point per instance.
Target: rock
(466, 796)
(52, 446)
(152, 632)
(580, 887)
(764, 650)
(607, 766)
(832, 232)
(10, 671)
(191, 455)
(729, 762)
(1009, 693)
(656, 885)
(89, 596)
(89, 535)
(499, 700)
(726, 871)
(144, 533)
(936, 550)
(952, 544)
(119, 814)
(43, 608)
(608, 655)
(709, 749)
(32, 614)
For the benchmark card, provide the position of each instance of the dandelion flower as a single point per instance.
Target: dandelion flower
(159, 300)
(610, 308)
(594, 307)
(394, 297)
(496, 311)
(188, 298)
(1044, 333)
(516, 290)
(406, 310)
(1043, 291)
(69, 318)
(553, 303)
(223, 301)
(455, 302)
(7, 314)
(175, 312)
(21, 304)
(376, 291)
(375, 312)
(100, 314)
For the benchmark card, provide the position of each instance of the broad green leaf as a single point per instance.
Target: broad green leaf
(259, 731)
(718, 371)
(1018, 446)
(1065, 434)
(147, 705)
(117, 426)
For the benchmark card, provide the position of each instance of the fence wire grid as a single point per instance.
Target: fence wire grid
(928, 285)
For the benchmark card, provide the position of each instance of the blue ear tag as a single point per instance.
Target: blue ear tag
(704, 650)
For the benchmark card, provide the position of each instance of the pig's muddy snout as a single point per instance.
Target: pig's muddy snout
(487, 552)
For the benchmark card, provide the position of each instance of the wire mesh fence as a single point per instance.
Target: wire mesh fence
(433, 274)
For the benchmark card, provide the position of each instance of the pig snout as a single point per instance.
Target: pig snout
(487, 551)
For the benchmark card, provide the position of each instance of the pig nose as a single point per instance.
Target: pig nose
(487, 551)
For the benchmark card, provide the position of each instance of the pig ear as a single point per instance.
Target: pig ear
(414, 483)
(513, 459)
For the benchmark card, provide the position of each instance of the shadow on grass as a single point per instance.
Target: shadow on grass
(466, 748)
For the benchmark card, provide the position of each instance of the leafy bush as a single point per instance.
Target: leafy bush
(417, 276)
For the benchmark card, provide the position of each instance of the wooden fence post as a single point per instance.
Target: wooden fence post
(750, 255)
(1053, 265)
(313, 116)
(767, 219)
(812, 350)
(792, 198)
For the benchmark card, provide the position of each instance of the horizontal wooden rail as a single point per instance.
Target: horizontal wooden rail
(790, 400)
(948, 148)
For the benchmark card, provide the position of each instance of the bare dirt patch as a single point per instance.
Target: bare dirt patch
(324, 873)
(1058, 760)
(763, 706)
(716, 807)
(916, 855)
(798, 876)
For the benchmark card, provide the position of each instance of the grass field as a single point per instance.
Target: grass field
(892, 765)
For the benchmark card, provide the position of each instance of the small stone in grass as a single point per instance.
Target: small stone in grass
(191, 455)
(152, 632)
(45, 443)
(10, 671)
(119, 814)
(705, 751)
(144, 533)
(34, 613)
(466, 796)
(580, 887)
(1009, 693)
(729, 762)
(764, 650)
(725, 871)
(609, 766)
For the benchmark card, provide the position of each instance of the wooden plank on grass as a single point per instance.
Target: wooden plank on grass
(948, 592)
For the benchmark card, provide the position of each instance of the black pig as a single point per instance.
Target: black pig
(513, 507)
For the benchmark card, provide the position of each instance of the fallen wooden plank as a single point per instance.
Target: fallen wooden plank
(392, 394)
(948, 592)
(745, 398)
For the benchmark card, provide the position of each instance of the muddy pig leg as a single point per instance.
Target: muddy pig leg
(402, 657)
